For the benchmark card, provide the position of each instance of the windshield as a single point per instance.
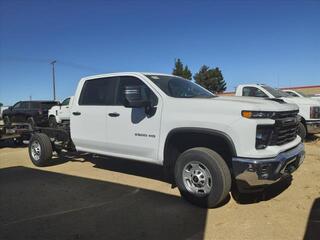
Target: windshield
(179, 87)
(302, 94)
(276, 92)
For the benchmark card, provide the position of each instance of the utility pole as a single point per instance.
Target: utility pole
(53, 80)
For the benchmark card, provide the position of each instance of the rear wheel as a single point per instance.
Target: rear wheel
(302, 131)
(202, 177)
(40, 149)
(52, 122)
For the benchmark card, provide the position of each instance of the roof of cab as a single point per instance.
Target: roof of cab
(121, 74)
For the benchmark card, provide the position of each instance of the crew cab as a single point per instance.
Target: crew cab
(309, 109)
(204, 142)
(60, 113)
(31, 112)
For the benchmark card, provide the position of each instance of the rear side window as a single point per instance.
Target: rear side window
(34, 105)
(48, 105)
(99, 92)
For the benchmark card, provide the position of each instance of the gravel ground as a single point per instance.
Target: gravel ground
(86, 197)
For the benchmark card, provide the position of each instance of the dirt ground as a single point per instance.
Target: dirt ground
(87, 197)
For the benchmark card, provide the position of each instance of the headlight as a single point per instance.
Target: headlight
(263, 136)
(257, 114)
(314, 112)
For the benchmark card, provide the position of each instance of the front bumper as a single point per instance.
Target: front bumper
(252, 173)
(313, 126)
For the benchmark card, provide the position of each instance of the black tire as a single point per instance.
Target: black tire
(31, 121)
(6, 121)
(220, 177)
(302, 131)
(52, 122)
(45, 152)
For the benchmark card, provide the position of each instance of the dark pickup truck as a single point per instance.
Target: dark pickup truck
(33, 112)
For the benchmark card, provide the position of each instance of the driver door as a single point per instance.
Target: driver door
(131, 132)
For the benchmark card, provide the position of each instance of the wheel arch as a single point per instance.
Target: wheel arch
(181, 139)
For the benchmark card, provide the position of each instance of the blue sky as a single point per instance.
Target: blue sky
(273, 42)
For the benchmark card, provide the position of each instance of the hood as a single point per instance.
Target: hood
(258, 104)
(303, 101)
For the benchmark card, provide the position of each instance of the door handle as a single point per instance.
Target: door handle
(114, 114)
(76, 113)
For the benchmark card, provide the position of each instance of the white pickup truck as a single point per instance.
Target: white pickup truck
(309, 109)
(294, 93)
(204, 142)
(60, 114)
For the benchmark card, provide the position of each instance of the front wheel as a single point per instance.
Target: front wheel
(40, 149)
(203, 177)
(302, 131)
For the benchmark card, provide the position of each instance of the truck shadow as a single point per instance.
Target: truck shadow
(121, 165)
(312, 138)
(313, 225)
(36, 204)
(156, 172)
(269, 193)
(9, 143)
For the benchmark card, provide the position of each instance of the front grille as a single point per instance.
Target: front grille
(286, 114)
(285, 128)
(315, 112)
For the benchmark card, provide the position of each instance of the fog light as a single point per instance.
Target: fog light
(263, 136)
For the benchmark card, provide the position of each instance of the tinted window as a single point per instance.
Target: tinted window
(34, 105)
(98, 91)
(17, 105)
(65, 102)
(133, 81)
(253, 92)
(24, 105)
(48, 105)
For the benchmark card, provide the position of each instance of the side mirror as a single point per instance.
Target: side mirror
(10, 108)
(134, 97)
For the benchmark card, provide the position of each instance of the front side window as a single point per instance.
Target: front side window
(65, 102)
(99, 92)
(253, 92)
(24, 105)
(133, 81)
(179, 88)
(17, 105)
